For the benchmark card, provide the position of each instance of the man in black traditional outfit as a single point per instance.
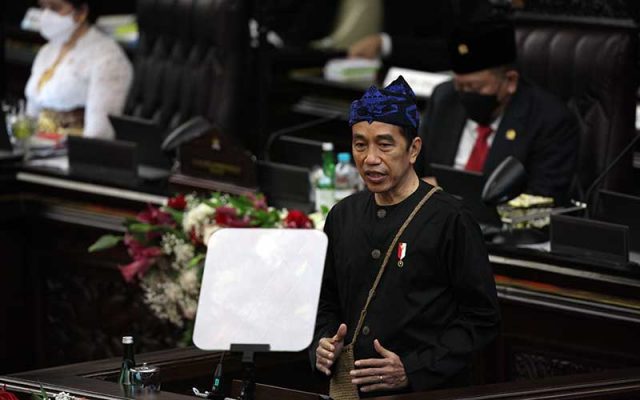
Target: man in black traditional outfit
(436, 302)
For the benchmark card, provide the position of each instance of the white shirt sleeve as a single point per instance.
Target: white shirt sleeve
(109, 84)
(386, 46)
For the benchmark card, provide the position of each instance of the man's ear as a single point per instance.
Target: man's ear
(513, 77)
(414, 149)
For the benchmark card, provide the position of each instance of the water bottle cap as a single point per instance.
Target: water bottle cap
(344, 157)
(327, 146)
(127, 340)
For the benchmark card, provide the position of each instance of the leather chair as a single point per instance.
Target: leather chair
(191, 60)
(591, 64)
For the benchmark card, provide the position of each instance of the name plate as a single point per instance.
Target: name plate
(421, 82)
(217, 157)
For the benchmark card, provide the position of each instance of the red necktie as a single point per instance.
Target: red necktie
(480, 149)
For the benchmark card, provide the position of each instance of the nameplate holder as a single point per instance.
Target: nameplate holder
(591, 239)
(217, 157)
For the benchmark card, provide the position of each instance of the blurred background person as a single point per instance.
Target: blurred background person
(488, 112)
(80, 76)
(415, 32)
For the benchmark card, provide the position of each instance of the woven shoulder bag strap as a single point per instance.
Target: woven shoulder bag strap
(372, 292)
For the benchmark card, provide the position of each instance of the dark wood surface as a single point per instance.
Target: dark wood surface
(185, 368)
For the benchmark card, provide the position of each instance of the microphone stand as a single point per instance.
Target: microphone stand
(604, 173)
(295, 128)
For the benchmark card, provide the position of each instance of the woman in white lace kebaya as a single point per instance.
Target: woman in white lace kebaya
(80, 76)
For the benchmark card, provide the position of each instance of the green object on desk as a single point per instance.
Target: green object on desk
(23, 128)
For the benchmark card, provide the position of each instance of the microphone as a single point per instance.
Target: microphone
(217, 391)
(216, 388)
(295, 128)
(507, 181)
(604, 173)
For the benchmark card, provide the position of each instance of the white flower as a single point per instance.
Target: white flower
(207, 231)
(172, 290)
(318, 220)
(189, 281)
(64, 396)
(195, 218)
(189, 307)
(184, 252)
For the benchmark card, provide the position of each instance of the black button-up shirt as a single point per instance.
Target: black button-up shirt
(433, 309)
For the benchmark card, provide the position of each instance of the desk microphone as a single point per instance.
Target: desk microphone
(604, 173)
(217, 391)
(216, 388)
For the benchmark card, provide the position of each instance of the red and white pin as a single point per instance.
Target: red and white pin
(402, 251)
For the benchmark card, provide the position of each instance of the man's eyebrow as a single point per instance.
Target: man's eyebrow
(385, 136)
(357, 135)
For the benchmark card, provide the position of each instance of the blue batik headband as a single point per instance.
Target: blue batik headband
(394, 104)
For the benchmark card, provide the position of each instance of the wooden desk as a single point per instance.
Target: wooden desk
(280, 377)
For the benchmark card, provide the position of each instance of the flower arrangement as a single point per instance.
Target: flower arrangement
(167, 245)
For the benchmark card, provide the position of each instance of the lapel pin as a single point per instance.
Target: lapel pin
(511, 134)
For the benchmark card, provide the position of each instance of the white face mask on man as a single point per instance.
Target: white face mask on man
(57, 28)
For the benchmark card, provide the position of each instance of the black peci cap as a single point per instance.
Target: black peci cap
(482, 45)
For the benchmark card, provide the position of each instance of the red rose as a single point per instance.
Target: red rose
(297, 219)
(178, 202)
(228, 216)
(155, 216)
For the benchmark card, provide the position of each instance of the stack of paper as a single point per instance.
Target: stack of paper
(351, 69)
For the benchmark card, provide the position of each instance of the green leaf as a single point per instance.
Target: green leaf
(42, 395)
(143, 228)
(196, 260)
(129, 221)
(175, 214)
(265, 219)
(105, 242)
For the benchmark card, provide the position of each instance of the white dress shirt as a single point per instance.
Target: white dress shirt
(468, 140)
(95, 75)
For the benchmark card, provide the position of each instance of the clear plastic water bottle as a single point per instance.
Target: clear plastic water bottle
(324, 180)
(346, 181)
(328, 160)
(325, 194)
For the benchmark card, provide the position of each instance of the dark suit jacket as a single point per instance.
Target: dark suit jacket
(546, 137)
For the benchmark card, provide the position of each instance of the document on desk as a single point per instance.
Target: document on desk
(421, 82)
(57, 163)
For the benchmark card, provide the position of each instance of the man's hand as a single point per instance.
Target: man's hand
(329, 350)
(368, 47)
(384, 373)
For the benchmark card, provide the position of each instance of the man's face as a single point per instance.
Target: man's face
(382, 155)
(500, 83)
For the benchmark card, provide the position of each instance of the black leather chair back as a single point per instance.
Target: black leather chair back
(191, 60)
(591, 64)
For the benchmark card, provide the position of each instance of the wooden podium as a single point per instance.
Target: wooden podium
(268, 392)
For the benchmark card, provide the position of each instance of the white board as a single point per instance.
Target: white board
(260, 286)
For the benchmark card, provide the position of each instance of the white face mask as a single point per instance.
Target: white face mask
(55, 27)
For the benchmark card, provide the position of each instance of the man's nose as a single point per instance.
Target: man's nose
(372, 157)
